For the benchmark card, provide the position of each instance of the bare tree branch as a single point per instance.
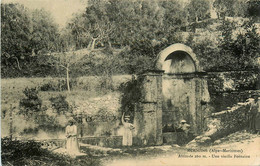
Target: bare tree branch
(17, 61)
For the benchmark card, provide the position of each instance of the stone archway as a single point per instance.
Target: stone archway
(177, 58)
(175, 90)
(183, 87)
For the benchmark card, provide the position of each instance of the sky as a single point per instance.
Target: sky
(61, 10)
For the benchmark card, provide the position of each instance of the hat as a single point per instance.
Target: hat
(127, 117)
(71, 120)
(183, 121)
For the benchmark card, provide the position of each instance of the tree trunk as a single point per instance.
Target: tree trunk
(197, 19)
(89, 45)
(11, 122)
(93, 44)
(109, 45)
(68, 81)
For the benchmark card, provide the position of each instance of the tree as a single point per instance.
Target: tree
(25, 33)
(240, 8)
(230, 8)
(115, 22)
(242, 48)
(92, 27)
(63, 60)
(144, 26)
(15, 31)
(44, 33)
(234, 51)
(77, 31)
(198, 10)
(253, 9)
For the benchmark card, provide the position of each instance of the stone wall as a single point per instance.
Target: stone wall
(148, 114)
(223, 123)
(102, 141)
(113, 141)
(229, 88)
(225, 100)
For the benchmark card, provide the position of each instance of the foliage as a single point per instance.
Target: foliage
(239, 52)
(32, 68)
(113, 23)
(237, 48)
(32, 103)
(46, 123)
(62, 61)
(59, 85)
(16, 152)
(16, 149)
(30, 37)
(59, 103)
(25, 33)
(44, 35)
(198, 10)
(125, 62)
(221, 101)
(253, 9)
(230, 8)
(217, 80)
(48, 87)
(131, 95)
(15, 32)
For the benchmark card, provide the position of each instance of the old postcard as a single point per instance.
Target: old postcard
(130, 82)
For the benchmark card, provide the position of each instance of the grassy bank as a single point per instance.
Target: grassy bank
(89, 95)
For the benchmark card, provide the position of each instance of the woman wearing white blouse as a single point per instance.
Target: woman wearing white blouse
(128, 127)
(72, 145)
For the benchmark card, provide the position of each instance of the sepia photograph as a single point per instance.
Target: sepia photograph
(130, 82)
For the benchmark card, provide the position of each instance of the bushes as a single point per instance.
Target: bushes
(32, 109)
(32, 103)
(56, 85)
(60, 104)
(131, 94)
(16, 152)
(240, 81)
(47, 123)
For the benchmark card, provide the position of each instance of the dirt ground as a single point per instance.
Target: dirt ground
(240, 148)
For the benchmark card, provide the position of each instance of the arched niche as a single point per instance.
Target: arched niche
(177, 58)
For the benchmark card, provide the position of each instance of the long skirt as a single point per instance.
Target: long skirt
(127, 138)
(72, 145)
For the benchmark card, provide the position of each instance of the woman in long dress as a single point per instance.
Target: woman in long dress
(72, 145)
(127, 134)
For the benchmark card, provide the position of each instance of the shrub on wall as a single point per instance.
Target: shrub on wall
(131, 94)
(59, 103)
(31, 103)
(56, 85)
